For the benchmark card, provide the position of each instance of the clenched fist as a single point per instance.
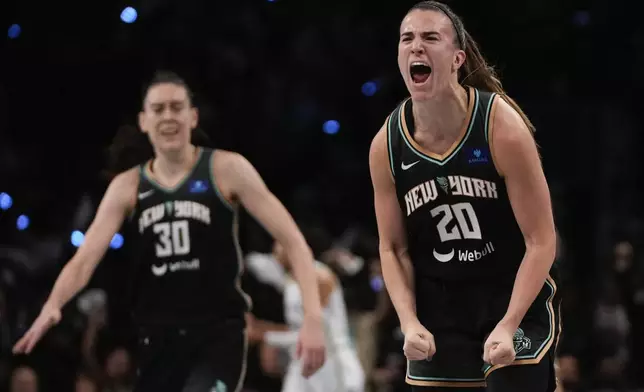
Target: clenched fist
(419, 342)
(499, 346)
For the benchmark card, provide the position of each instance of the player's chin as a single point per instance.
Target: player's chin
(420, 95)
(420, 91)
(169, 145)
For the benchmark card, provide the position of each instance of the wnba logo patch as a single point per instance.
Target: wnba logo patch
(478, 155)
(198, 186)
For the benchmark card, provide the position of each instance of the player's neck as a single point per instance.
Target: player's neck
(441, 116)
(170, 164)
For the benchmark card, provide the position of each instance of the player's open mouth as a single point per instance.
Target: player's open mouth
(419, 72)
(169, 130)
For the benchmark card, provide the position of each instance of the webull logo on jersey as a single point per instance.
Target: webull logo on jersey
(464, 255)
(423, 193)
(174, 209)
(182, 265)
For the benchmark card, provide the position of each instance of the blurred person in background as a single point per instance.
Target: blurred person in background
(262, 282)
(467, 236)
(183, 201)
(5, 336)
(24, 379)
(629, 277)
(391, 364)
(573, 348)
(105, 359)
(611, 336)
(342, 371)
(118, 371)
(85, 383)
(354, 258)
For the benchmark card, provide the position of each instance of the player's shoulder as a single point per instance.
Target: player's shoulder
(226, 159)
(511, 139)
(123, 187)
(379, 140)
(233, 172)
(126, 179)
(507, 124)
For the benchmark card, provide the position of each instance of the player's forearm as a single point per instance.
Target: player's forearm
(302, 264)
(398, 277)
(71, 280)
(529, 281)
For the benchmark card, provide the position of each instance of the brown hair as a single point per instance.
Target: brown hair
(475, 72)
(131, 147)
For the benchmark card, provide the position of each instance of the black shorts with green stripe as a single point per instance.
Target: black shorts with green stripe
(462, 315)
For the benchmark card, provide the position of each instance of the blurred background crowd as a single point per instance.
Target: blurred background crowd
(300, 88)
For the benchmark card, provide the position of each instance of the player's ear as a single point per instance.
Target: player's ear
(142, 122)
(459, 60)
(194, 120)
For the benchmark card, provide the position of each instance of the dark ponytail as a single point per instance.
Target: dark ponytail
(131, 147)
(475, 71)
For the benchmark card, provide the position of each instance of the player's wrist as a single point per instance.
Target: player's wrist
(510, 322)
(313, 309)
(52, 304)
(314, 316)
(408, 322)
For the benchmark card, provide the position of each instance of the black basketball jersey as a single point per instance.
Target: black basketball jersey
(458, 218)
(187, 258)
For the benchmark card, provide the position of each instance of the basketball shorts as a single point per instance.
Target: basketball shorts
(462, 315)
(204, 358)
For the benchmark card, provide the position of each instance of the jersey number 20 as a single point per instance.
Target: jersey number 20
(174, 238)
(463, 229)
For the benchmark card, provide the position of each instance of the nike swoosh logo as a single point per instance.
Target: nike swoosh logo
(405, 167)
(444, 258)
(145, 194)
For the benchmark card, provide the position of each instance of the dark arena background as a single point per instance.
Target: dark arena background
(300, 87)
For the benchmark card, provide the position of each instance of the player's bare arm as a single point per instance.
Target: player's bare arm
(118, 201)
(517, 160)
(241, 182)
(244, 184)
(397, 269)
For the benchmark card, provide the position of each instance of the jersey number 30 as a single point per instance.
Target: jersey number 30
(174, 238)
(463, 229)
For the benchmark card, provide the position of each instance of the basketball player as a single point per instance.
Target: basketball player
(465, 219)
(342, 371)
(188, 304)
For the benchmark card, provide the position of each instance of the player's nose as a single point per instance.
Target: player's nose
(167, 114)
(417, 47)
